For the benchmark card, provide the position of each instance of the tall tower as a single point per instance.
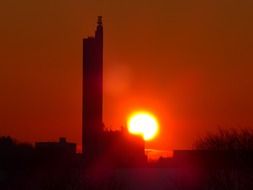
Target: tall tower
(93, 92)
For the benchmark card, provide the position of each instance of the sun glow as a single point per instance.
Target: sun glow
(143, 123)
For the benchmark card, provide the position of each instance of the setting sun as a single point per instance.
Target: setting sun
(143, 123)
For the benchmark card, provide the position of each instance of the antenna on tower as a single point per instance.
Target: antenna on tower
(100, 19)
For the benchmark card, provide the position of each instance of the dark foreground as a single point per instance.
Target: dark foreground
(23, 168)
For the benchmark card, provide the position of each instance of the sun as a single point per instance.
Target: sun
(143, 123)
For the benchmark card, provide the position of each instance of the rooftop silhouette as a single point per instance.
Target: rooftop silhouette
(116, 147)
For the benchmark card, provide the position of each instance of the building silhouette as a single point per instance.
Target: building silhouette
(61, 148)
(93, 91)
(118, 148)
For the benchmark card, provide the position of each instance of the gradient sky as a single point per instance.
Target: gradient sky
(190, 62)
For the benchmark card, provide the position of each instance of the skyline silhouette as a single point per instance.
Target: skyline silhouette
(116, 158)
(187, 62)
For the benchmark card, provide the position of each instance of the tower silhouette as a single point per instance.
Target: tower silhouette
(116, 148)
(92, 128)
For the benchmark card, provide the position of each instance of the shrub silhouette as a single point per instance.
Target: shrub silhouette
(227, 140)
(234, 148)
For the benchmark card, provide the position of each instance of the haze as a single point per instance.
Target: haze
(188, 62)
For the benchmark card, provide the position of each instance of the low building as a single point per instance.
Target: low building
(62, 149)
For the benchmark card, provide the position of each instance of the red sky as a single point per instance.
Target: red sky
(188, 62)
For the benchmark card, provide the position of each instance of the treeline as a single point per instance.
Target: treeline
(234, 148)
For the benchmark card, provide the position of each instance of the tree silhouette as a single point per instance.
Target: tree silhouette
(234, 150)
(227, 140)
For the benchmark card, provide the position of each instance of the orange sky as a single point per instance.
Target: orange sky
(188, 62)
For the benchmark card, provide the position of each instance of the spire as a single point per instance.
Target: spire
(100, 20)
(99, 31)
